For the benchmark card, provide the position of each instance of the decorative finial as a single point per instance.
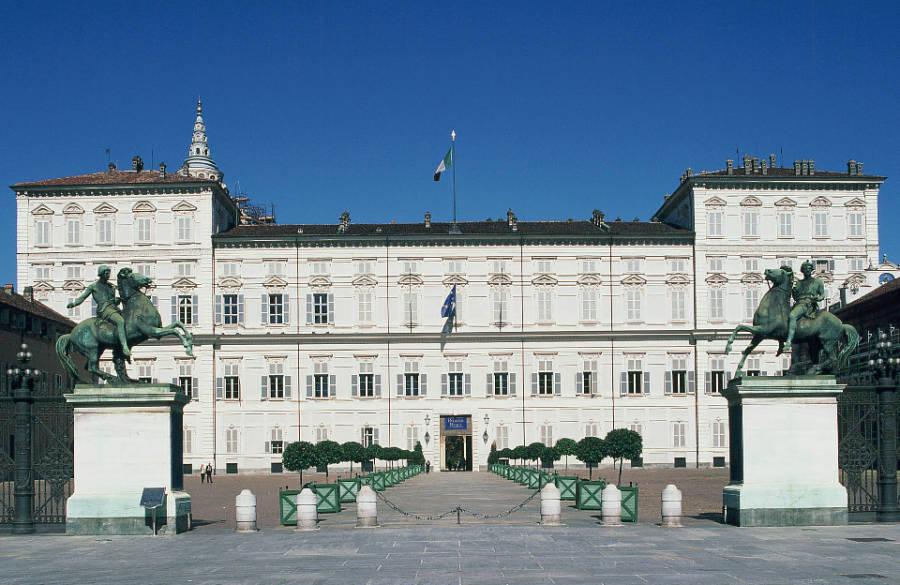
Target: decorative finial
(199, 105)
(453, 135)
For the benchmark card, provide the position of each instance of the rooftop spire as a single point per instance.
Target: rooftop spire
(198, 162)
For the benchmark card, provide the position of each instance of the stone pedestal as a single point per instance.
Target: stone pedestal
(784, 452)
(127, 438)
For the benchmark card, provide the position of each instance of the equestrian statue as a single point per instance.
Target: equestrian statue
(114, 328)
(829, 340)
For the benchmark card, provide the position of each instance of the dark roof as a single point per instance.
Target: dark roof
(115, 178)
(873, 295)
(785, 172)
(471, 228)
(36, 308)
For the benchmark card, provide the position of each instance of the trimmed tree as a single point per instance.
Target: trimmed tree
(327, 453)
(622, 444)
(548, 456)
(298, 456)
(493, 456)
(506, 454)
(373, 452)
(417, 458)
(590, 451)
(566, 447)
(519, 453)
(354, 453)
(533, 451)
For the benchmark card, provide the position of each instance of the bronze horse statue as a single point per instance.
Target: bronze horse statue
(93, 336)
(824, 334)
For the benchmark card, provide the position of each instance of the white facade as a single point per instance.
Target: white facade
(565, 329)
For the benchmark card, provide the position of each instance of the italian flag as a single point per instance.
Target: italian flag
(445, 164)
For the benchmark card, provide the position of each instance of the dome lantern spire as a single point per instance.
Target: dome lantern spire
(198, 162)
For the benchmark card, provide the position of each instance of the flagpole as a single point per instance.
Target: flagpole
(454, 229)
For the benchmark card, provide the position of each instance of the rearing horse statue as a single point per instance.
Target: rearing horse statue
(824, 333)
(93, 336)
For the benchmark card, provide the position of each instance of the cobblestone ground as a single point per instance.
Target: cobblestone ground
(480, 492)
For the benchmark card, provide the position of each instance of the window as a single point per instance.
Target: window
(499, 266)
(785, 365)
(785, 262)
(188, 441)
(716, 380)
(73, 231)
(455, 379)
(714, 224)
(185, 314)
(752, 366)
(855, 224)
(502, 437)
(633, 304)
(320, 380)
(364, 305)
(820, 224)
(369, 436)
(320, 308)
(751, 302)
(365, 267)
(543, 266)
(231, 440)
(589, 304)
(678, 434)
(586, 380)
(856, 264)
(498, 384)
(184, 269)
(544, 300)
(276, 309)
(547, 435)
(678, 376)
(785, 224)
(73, 313)
(588, 266)
(411, 379)
(633, 265)
(232, 381)
(456, 266)
(824, 265)
(145, 268)
(145, 371)
(500, 305)
(412, 437)
(716, 303)
(42, 271)
(678, 265)
(230, 309)
(104, 229)
(751, 264)
(410, 308)
(677, 296)
(366, 380)
(545, 377)
(321, 434)
(719, 434)
(143, 229)
(276, 384)
(751, 224)
(410, 267)
(591, 430)
(42, 232)
(73, 271)
(276, 444)
(318, 267)
(716, 263)
(275, 268)
(230, 269)
(184, 227)
(635, 376)
(185, 381)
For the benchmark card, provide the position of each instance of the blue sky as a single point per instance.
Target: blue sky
(559, 108)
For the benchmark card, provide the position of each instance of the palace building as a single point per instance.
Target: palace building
(564, 328)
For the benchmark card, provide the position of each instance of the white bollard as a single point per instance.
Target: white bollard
(550, 505)
(671, 506)
(611, 506)
(245, 512)
(307, 514)
(366, 510)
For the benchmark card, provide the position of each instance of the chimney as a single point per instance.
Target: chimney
(764, 167)
(428, 219)
(812, 167)
(729, 165)
(796, 168)
(597, 217)
(162, 169)
(112, 166)
(28, 293)
(9, 288)
(512, 220)
(747, 162)
(859, 168)
(344, 222)
(137, 164)
(851, 167)
(772, 160)
(755, 164)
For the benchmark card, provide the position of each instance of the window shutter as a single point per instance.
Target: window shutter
(708, 381)
(174, 381)
(268, 447)
(195, 310)
(331, 307)
(399, 384)
(287, 386)
(309, 386)
(691, 383)
(443, 384)
(264, 309)
(218, 317)
(534, 385)
(579, 383)
(377, 384)
(375, 436)
(286, 299)
(241, 309)
(309, 316)
(489, 385)
(174, 308)
(512, 384)
(594, 375)
(468, 384)
(646, 382)
(557, 383)
(354, 385)
(220, 388)
(623, 383)
(423, 384)
(332, 385)
(264, 387)
(668, 382)
(763, 373)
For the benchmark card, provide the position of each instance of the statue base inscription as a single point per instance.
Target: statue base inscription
(127, 438)
(784, 452)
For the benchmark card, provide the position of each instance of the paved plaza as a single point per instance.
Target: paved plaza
(514, 549)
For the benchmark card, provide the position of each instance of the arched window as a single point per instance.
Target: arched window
(198, 151)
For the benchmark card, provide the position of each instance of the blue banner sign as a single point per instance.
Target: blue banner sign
(456, 423)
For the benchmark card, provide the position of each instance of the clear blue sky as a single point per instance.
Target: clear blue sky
(559, 108)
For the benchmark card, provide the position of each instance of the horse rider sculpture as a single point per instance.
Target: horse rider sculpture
(807, 294)
(107, 305)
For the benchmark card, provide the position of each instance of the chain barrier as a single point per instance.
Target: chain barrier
(457, 510)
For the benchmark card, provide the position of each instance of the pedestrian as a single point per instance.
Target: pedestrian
(428, 466)
(202, 474)
(209, 471)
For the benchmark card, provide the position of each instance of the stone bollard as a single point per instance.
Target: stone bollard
(245, 512)
(550, 505)
(366, 512)
(307, 514)
(671, 506)
(611, 506)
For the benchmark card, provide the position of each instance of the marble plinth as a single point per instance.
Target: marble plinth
(784, 452)
(127, 438)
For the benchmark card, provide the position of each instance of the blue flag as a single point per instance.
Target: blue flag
(449, 308)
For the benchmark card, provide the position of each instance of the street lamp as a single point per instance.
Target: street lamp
(23, 382)
(884, 361)
(427, 423)
(487, 421)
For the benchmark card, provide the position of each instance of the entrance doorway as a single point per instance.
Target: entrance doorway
(456, 443)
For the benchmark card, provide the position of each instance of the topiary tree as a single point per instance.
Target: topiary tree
(534, 450)
(505, 454)
(417, 457)
(298, 456)
(548, 456)
(373, 452)
(590, 451)
(392, 454)
(622, 444)
(520, 452)
(354, 453)
(566, 447)
(327, 453)
(493, 456)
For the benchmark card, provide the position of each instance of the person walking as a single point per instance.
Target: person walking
(202, 474)
(209, 471)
